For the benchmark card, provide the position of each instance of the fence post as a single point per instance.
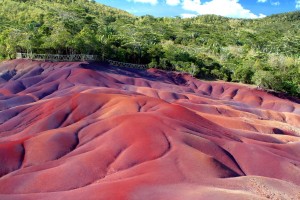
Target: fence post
(18, 56)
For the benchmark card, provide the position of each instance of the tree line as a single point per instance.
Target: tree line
(265, 52)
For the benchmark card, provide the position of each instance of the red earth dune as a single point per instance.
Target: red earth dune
(93, 131)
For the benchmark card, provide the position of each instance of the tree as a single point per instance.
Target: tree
(85, 41)
(59, 39)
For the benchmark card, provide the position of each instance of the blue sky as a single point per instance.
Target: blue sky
(188, 8)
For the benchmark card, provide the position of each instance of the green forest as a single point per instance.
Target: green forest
(264, 52)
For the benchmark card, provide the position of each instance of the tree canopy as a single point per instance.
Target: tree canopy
(265, 52)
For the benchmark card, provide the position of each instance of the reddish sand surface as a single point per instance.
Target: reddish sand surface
(93, 131)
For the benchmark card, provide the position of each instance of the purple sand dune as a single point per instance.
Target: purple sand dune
(92, 131)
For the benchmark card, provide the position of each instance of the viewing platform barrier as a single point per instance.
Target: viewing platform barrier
(57, 57)
(129, 65)
(76, 57)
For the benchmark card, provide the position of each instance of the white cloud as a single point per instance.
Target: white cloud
(262, 1)
(297, 4)
(173, 2)
(153, 2)
(228, 8)
(187, 15)
(192, 5)
(276, 3)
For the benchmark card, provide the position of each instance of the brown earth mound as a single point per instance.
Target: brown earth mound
(91, 131)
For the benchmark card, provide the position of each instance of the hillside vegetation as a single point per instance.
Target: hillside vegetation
(265, 52)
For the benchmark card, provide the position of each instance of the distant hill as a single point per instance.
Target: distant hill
(264, 51)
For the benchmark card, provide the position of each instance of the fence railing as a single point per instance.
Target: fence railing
(130, 65)
(76, 57)
(57, 57)
(82, 57)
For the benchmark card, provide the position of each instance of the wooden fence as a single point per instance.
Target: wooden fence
(76, 57)
(57, 57)
(130, 65)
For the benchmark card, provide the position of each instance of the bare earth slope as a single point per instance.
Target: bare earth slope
(90, 131)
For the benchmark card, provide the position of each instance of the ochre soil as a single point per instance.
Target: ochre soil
(92, 131)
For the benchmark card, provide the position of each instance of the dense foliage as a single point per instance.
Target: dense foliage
(265, 52)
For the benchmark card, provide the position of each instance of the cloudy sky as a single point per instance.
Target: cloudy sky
(187, 8)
